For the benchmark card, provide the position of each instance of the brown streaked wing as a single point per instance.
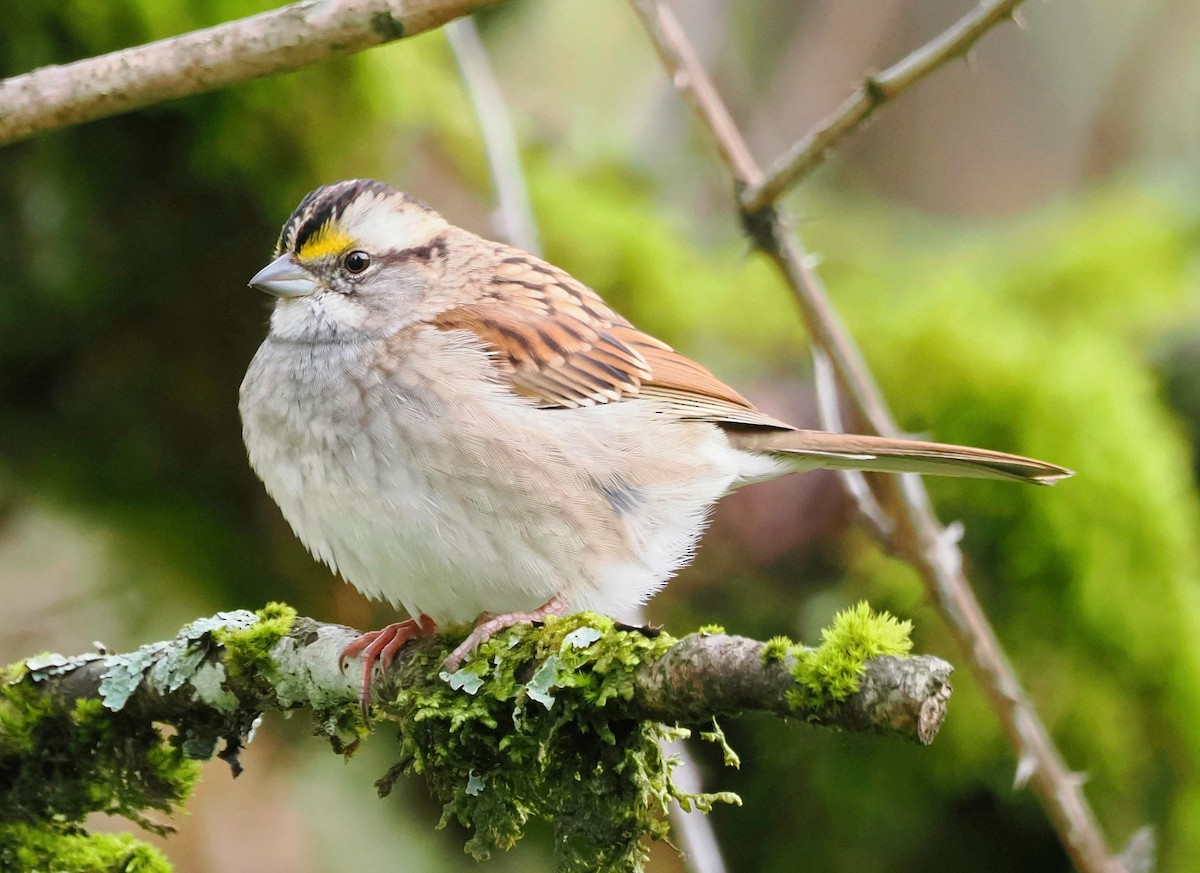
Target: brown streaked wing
(565, 347)
(553, 357)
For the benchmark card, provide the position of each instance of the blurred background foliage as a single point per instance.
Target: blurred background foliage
(1014, 245)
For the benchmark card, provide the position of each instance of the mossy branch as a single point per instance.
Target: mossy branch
(563, 722)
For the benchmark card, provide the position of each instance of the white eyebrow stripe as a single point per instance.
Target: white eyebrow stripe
(382, 223)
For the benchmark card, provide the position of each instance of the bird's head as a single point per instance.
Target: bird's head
(353, 260)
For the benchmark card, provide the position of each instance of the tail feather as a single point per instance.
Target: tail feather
(812, 448)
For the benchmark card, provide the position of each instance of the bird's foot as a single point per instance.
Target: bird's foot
(488, 625)
(380, 647)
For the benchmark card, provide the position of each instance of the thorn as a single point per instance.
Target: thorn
(874, 89)
(1076, 778)
(1026, 767)
(1011, 690)
(1140, 852)
(952, 533)
(947, 548)
(1018, 18)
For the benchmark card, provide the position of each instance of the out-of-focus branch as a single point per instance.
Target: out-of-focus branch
(767, 227)
(514, 214)
(278, 41)
(917, 535)
(830, 418)
(811, 149)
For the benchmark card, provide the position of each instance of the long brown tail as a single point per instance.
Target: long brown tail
(814, 448)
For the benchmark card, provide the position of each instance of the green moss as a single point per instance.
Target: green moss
(776, 649)
(61, 760)
(59, 764)
(525, 730)
(52, 849)
(248, 649)
(521, 732)
(716, 735)
(828, 674)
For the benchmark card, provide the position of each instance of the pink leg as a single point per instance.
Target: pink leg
(380, 647)
(489, 625)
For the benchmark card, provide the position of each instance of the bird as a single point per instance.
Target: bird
(468, 432)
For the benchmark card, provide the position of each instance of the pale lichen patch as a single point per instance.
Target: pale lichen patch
(208, 684)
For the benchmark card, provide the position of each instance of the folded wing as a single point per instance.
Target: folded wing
(558, 342)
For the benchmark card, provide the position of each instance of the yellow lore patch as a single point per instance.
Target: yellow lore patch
(329, 240)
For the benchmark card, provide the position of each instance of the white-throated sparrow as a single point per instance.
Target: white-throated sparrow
(461, 428)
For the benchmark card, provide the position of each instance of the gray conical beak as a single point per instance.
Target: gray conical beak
(283, 277)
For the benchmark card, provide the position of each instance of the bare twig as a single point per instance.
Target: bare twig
(514, 214)
(765, 228)
(918, 536)
(273, 42)
(697, 89)
(830, 417)
(811, 149)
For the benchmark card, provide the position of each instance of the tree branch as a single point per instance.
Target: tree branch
(918, 537)
(563, 723)
(704, 676)
(278, 41)
(699, 677)
(811, 149)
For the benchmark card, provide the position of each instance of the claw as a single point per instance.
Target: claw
(380, 647)
(490, 625)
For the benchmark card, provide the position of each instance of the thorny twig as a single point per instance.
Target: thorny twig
(918, 536)
(810, 150)
(854, 481)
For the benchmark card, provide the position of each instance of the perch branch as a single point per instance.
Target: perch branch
(918, 537)
(278, 41)
(811, 149)
(531, 716)
(701, 676)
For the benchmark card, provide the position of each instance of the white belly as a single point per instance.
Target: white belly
(454, 503)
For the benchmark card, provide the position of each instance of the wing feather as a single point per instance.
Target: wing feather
(560, 344)
(564, 346)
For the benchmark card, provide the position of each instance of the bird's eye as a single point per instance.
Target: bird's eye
(356, 261)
